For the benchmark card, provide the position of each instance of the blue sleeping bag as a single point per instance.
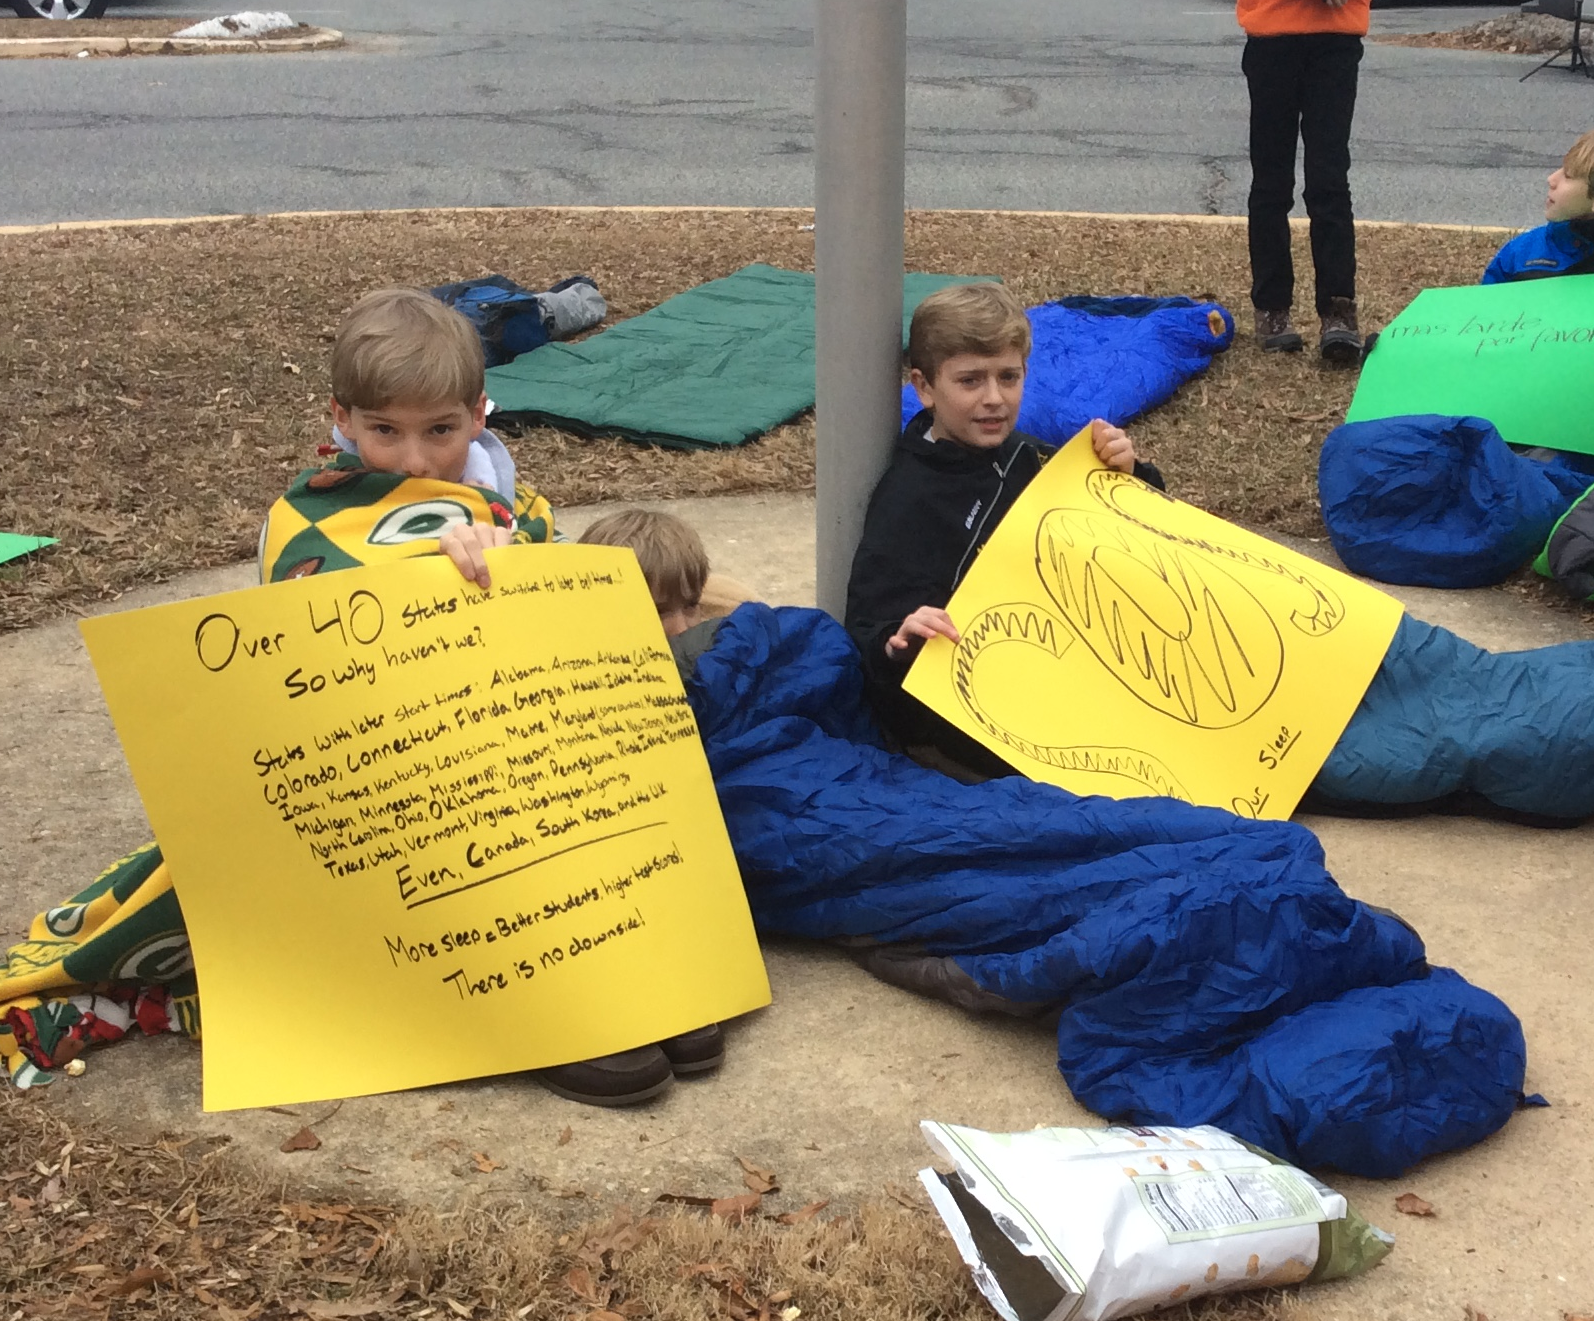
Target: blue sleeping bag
(1111, 358)
(1439, 501)
(1210, 968)
(1447, 724)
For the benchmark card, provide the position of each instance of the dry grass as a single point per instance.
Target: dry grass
(96, 1228)
(160, 386)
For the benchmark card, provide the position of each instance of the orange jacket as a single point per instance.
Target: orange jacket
(1278, 18)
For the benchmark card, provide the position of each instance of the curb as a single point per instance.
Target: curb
(154, 222)
(31, 48)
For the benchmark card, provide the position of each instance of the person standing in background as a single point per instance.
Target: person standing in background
(1300, 64)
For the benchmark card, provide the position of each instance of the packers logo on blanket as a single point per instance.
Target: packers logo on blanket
(344, 516)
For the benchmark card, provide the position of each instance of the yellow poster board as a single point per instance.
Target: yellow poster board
(422, 832)
(1118, 641)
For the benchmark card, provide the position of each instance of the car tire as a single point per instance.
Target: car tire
(59, 8)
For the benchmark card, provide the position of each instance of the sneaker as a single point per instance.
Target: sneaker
(1341, 340)
(625, 1078)
(697, 1051)
(1276, 334)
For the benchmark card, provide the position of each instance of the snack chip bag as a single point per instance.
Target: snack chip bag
(1089, 1224)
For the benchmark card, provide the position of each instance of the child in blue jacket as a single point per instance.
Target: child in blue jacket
(1564, 246)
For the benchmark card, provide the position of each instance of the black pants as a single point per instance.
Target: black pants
(1301, 87)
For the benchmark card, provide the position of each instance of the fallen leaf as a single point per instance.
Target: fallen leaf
(1473, 1314)
(51, 1192)
(904, 1198)
(758, 1179)
(578, 1279)
(735, 1209)
(145, 1277)
(564, 1138)
(1412, 1205)
(806, 1213)
(303, 1140)
(484, 1163)
(684, 1199)
(445, 1105)
(459, 1309)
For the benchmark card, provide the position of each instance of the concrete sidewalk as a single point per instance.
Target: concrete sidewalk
(827, 1085)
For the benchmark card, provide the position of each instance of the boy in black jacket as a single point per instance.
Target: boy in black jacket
(956, 471)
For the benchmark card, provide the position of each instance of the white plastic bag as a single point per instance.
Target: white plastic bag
(1089, 1224)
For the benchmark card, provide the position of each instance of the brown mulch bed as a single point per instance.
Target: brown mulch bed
(161, 385)
(97, 1227)
(14, 28)
(1510, 34)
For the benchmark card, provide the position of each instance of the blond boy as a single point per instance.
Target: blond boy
(1564, 245)
(418, 471)
(957, 469)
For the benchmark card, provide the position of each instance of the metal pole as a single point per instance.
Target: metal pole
(861, 49)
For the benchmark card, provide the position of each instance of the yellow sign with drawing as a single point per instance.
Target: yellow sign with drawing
(422, 832)
(1118, 641)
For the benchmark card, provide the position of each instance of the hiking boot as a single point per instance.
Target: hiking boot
(697, 1051)
(1341, 339)
(1275, 333)
(624, 1078)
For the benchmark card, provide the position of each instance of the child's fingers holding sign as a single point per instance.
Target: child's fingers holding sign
(465, 544)
(926, 622)
(1113, 446)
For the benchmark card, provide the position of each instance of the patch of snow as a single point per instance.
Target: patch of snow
(249, 23)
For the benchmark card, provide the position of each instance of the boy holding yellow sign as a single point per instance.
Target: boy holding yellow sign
(957, 469)
(419, 474)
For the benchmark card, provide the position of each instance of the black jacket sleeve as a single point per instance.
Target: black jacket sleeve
(894, 572)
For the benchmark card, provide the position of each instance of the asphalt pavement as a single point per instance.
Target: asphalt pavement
(1093, 105)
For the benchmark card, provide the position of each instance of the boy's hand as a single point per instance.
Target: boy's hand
(926, 622)
(464, 543)
(1113, 446)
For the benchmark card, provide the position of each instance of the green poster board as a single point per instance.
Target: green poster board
(1520, 355)
(14, 546)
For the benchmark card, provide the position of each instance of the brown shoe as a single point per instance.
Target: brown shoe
(1275, 333)
(624, 1078)
(697, 1051)
(1341, 339)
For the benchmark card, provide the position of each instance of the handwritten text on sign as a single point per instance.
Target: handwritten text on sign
(1505, 352)
(479, 824)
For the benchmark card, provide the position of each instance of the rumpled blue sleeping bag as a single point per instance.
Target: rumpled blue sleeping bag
(1443, 718)
(1438, 501)
(1111, 358)
(1211, 969)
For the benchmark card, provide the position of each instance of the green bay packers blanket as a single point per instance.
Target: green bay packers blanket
(112, 955)
(344, 516)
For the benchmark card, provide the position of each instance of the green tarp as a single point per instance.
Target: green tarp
(1517, 355)
(716, 365)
